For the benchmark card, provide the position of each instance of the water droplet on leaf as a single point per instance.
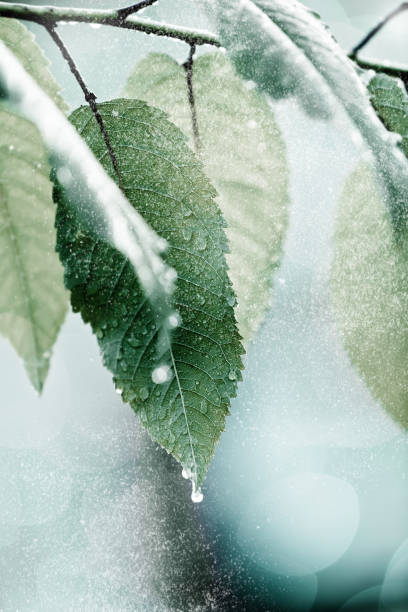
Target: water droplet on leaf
(187, 232)
(201, 242)
(161, 374)
(144, 394)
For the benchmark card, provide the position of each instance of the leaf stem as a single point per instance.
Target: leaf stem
(377, 28)
(50, 15)
(188, 66)
(89, 96)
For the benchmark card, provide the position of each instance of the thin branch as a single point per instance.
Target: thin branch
(134, 8)
(50, 15)
(89, 97)
(378, 27)
(188, 65)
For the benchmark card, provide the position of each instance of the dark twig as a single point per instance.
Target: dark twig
(378, 27)
(89, 97)
(134, 8)
(188, 65)
(51, 15)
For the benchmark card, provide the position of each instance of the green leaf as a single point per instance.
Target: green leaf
(243, 156)
(287, 51)
(390, 99)
(33, 301)
(186, 413)
(21, 42)
(369, 286)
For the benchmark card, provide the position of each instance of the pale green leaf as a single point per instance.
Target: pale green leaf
(162, 179)
(390, 99)
(21, 42)
(287, 51)
(243, 156)
(369, 286)
(33, 300)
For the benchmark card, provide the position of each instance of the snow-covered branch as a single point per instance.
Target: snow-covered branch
(50, 15)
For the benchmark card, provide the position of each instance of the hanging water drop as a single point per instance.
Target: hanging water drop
(196, 495)
(119, 391)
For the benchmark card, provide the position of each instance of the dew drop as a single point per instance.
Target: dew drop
(231, 300)
(173, 321)
(95, 26)
(119, 391)
(115, 113)
(201, 243)
(187, 232)
(134, 342)
(144, 393)
(161, 374)
(186, 474)
(232, 375)
(64, 176)
(187, 213)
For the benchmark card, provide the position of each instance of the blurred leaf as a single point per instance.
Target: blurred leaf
(390, 99)
(186, 413)
(243, 156)
(369, 284)
(287, 51)
(21, 42)
(33, 301)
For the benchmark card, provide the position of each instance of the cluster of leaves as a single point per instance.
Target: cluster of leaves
(180, 378)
